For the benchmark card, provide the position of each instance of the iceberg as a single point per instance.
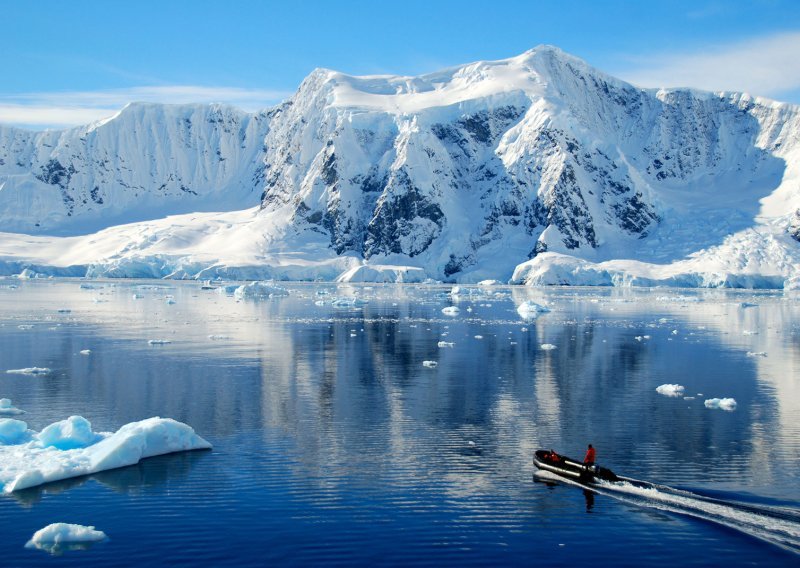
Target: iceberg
(728, 404)
(30, 371)
(53, 537)
(450, 311)
(70, 449)
(6, 408)
(530, 309)
(259, 289)
(673, 390)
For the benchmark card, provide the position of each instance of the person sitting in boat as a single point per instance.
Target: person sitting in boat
(590, 457)
(553, 456)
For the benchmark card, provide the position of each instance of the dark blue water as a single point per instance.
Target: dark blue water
(333, 444)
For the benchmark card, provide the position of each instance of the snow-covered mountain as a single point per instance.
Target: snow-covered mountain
(537, 168)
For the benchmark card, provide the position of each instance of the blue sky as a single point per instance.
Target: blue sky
(72, 62)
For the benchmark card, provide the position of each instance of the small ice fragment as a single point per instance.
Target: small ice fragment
(547, 346)
(446, 344)
(674, 332)
(728, 404)
(319, 303)
(638, 338)
(258, 289)
(756, 353)
(218, 337)
(137, 296)
(530, 309)
(86, 352)
(670, 390)
(65, 311)
(749, 332)
(478, 337)
(748, 305)
(430, 364)
(159, 342)
(7, 409)
(25, 326)
(170, 301)
(450, 311)
(56, 537)
(13, 432)
(688, 398)
(34, 371)
(471, 443)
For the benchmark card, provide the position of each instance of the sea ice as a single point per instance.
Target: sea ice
(728, 404)
(547, 346)
(26, 459)
(30, 371)
(430, 364)
(8, 409)
(530, 309)
(450, 311)
(756, 353)
(352, 302)
(446, 344)
(670, 390)
(86, 352)
(159, 342)
(52, 536)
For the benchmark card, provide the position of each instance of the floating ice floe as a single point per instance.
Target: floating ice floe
(7, 409)
(756, 353)
(28, 458)
(351, 302)
(227, 289)
(446, 344)
(451, 311)
(728, 404)
(259, 289)
(430, 364)
(159, 342)
(60, 536)
(33, 371)
(547, 346)
(489, 283)
(86, 352)
(671, 390)
(530, 309)
(748, 305)
(218, 337)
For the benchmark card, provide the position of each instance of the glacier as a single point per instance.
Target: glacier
(534, 170)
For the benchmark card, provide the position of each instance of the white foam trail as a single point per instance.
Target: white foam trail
(777, 525)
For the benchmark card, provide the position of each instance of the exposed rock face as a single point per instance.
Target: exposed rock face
(485, 165)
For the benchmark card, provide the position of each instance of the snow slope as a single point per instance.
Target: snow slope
(536, 169)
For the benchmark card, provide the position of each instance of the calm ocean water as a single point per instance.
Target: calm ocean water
(334, 445)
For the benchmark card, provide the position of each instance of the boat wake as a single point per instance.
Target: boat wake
(777, 525)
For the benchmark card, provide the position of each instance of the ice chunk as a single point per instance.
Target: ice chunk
(430, 364)
(547, 346)
(30, 463)
(6, 408)
(530, 309)
(446, 344)
(489, 283)
(159, 342)
(748, 305)
(670, 390)
(59, 536)
(13, 431)
(30, 371)
(351, 302)
(74, 432)
(450, 311)
(227, 289)
(756, 353)
(86, 352)
(728, 404)
(260, 290)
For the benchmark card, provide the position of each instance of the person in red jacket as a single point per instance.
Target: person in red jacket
(590, 457)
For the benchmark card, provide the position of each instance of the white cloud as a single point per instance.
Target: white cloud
(62, 109)
(768, 66)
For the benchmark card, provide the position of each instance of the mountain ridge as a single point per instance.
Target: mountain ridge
(471, 171)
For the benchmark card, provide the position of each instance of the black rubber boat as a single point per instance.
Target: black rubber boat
(572, 469)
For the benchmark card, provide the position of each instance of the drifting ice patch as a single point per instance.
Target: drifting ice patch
(159, 342)
(450, 311)
(26, 459)
(530, 309)
(52, 538)
(430, 364)
(670, 390)
(34, 371)
(260, 290)
(728, 404)
(86, 352)
(13, 431)
(547, 346)
(7, 409)
(756, 353)
(349, 302)
(446, 344)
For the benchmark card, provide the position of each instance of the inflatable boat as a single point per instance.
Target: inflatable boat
(573, 469)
